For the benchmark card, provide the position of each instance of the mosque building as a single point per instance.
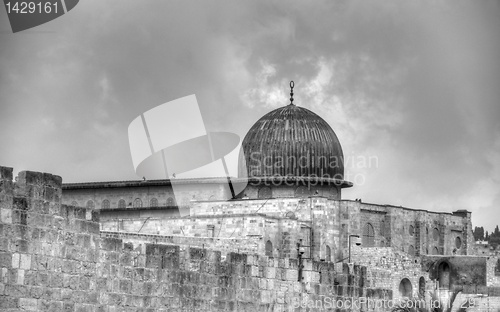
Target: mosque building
(293, 165)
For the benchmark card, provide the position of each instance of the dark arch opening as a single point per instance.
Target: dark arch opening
(328, 254)
(458, 242)
(368, 239)
(444, 275)
(405, 288)
(421, 287)
(269, 248)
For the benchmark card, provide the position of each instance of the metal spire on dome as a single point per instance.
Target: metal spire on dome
(292, 84)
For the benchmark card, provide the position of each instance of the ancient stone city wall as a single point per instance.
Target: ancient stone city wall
(54, 258)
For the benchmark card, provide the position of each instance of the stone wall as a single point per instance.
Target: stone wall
(388, 267)
(49, 253)
(53, 257)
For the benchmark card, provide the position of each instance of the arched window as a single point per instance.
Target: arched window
(405, 288)
(170, 202)
(90, 204)
(105, 204)
(421, 287)
(411, 230)
(302, 191)
(121, 203)
(411, 250)
(74, 203)
(458, 242)
(328, 254)
(153, 202)
(137, 203)
(368, 239)
(265, 192)
(444, 275)
(435, 251)
(269, 248)
(435, 234)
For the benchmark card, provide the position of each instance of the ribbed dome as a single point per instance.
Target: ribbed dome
(292, 141)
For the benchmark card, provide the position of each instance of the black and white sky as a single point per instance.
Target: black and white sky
(412, 86)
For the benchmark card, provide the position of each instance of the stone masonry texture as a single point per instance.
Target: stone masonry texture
(54, 257)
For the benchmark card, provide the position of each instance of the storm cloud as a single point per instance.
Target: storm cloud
(414, 85)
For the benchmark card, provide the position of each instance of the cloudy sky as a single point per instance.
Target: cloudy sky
(413, 86)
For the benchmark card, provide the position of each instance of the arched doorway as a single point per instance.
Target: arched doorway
(444, 275)
(405, 288)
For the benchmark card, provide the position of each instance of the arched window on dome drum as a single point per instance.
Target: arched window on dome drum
(265, 192)
(269, 248)
(121, 203)
(328, 254)
(137, 203)
(105, 204)
(170, 202)
(302, 191)
(153, 202)
(90, 204)
(368, 239)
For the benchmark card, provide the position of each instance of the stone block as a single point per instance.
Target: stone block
(6, 173)
(5, 215)
(28, 304)
(25, 262)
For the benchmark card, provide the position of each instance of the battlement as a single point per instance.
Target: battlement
(55, 257)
